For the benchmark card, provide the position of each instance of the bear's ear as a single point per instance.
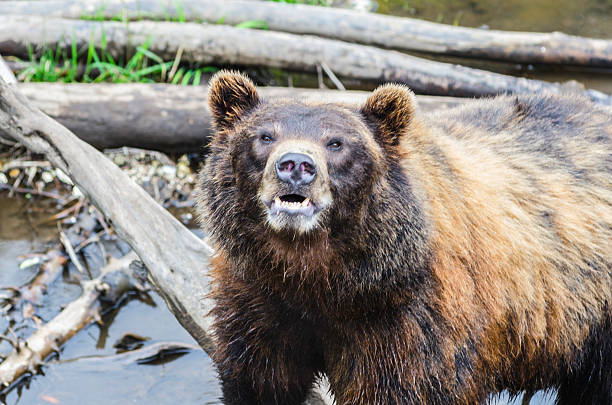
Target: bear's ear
(231, 95)
(391, 109)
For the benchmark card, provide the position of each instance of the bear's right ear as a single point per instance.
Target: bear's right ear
(231, 95)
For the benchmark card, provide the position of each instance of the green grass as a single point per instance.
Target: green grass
(253, 24)
(99, 15)
(98, 65)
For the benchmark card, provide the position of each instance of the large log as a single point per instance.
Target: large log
(372, 29)
(225, 45)
(176, 260)
(172, 119)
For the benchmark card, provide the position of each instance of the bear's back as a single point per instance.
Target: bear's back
(518, 192)
(563, 132)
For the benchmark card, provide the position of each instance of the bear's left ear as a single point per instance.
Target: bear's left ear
(391, 108)
(231, 95)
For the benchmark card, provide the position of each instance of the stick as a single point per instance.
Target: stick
(371, 29)
(142, 355)
(230, 46)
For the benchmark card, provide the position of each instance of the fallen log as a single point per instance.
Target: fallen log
(225, 45)
(171, 119)
(175, 259)
(28, 355)
(371, 29)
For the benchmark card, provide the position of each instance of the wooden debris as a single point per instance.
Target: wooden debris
(372, 29)
(143, 355)
(230, 46)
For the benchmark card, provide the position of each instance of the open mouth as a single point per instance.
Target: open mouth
(292, 204)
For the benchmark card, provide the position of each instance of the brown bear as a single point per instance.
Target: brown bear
(410, 259)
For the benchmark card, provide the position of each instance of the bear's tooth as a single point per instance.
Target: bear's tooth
(277, 201)
(306, 202)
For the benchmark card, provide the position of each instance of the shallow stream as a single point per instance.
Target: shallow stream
(86, 371)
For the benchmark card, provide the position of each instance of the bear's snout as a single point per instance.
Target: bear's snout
(296, 169)
(295, 187)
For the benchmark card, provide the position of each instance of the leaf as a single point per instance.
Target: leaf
(186, 78)
(29, 262)
(63, 177)
(197, 77)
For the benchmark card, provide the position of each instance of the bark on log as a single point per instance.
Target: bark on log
(372, 29)
(224, 45)
(176, 260)
(171, 119)
(31, 353)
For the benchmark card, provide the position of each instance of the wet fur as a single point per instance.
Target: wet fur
(472, 256)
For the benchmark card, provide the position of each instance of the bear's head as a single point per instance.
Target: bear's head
(290, 169)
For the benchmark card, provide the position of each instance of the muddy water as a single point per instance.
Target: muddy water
(84, 371)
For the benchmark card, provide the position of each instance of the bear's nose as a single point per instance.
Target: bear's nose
(296, 169)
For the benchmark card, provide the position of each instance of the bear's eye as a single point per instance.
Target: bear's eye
(334, 145)
(266, 138)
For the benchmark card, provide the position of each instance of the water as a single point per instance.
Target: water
(76, 379)
(73, 377)
(589, 18)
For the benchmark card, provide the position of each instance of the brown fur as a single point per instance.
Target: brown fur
(461, 254)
